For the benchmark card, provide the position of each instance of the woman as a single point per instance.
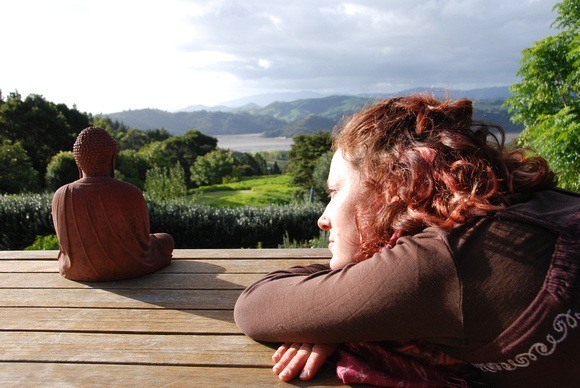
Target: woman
(439, 236)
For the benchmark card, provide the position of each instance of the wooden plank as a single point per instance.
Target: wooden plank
(24, 375)
(168, 281)
(120, 298)
(26, 265)
(170, 349)
(30, 255)
(196, 254)
(321, 253)
(118, 320)
(258, 265)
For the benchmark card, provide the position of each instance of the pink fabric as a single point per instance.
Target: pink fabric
(411, 365)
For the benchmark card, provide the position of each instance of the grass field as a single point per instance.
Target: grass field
(253, 191)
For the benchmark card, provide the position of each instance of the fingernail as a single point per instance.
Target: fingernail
(304, 374)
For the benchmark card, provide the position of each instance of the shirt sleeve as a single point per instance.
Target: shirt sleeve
(409, 292)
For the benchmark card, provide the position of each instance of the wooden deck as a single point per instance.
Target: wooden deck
(171, 328)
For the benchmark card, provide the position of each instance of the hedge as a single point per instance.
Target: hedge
(24, 217)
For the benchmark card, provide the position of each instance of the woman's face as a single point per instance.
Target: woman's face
(339, 217)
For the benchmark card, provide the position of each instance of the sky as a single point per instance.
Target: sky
(106, 56)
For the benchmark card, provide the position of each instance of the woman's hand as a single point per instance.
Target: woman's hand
(303, 360)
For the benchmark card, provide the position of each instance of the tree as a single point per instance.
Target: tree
(165, 183)
(132, 167)
(61, 170)
(157, 134)
(16, 172)
(185, 149)
(252, 164)
(42, 127)
(303, 155)
(320, 176)
(546, 99)
(215, 167)
(133, 139)
(156, 154)
(276, 169)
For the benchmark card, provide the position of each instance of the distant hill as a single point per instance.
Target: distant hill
(299, 116)
(210, 123)
(307, 125)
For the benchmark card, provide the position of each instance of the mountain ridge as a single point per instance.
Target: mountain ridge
(305, 115)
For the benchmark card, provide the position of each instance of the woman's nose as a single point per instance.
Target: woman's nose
(324, 222)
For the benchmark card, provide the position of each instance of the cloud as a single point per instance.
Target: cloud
(107, 54)
(366, 44)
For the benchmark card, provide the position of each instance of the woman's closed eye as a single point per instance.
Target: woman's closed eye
(330, 192)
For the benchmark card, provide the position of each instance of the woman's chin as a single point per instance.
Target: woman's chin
(335, 263)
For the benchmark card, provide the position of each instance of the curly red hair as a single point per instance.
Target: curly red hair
(425, 162)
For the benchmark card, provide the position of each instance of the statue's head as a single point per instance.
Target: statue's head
(95, 152)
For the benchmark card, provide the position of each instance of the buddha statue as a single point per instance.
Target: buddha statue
(102, 223)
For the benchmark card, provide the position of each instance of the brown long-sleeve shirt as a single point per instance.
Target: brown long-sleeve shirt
(459, 289)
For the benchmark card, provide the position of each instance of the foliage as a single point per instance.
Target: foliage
(546, 100)
(303, 155)
(215, 167)
(185, 149)
(132, 139)
(156, 154)
(557, 138)
(16, 172)
(316, 242)
(252, 165)
(44, 243)
(275, 169)
(61, 170)
(42, 127)
(320, 175)
(198, 226)
(23, 217)
(165, 183)
(132, 166)
(275, 160)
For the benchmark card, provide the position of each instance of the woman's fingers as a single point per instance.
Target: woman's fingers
(280, 351)
(317, 358)
(292, 361)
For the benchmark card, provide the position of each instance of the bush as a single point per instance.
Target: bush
(24, 217)
(61, 170)
(202, 226)
(16, 172)
(44, 243)
(165, 183)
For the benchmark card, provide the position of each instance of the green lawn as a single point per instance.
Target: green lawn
(254, 191)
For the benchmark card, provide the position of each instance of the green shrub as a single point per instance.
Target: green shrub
(24, 217)
(17, 174)
(165, 183)
(61, 170)
(43, 243)
(202, 226)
